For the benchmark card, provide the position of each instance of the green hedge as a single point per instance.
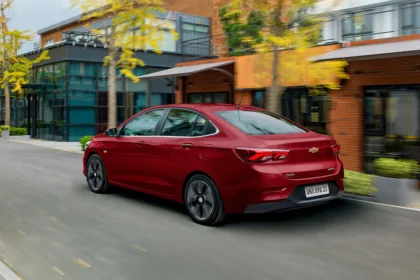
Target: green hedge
(18, 131)
(358, 183)
(84, 140)
(397, 168)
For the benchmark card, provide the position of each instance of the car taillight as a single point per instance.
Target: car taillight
(336, 149)
(257, 155)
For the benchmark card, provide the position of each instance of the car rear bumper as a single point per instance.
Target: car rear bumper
(296, 200)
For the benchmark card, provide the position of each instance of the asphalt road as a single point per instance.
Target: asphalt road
(52, 227)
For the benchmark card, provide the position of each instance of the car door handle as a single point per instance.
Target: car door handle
(186, 145)
(141, 143)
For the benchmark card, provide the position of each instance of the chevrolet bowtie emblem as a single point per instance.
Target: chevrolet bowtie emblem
(313, 150)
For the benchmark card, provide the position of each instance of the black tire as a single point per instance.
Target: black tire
(203, 202)
(96, 175)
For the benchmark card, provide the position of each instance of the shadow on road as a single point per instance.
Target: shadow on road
(339, 211)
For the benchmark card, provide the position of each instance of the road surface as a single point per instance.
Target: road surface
(52, 227)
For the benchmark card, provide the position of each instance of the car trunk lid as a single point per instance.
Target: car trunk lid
(310, 154)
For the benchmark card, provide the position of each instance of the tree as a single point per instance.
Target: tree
(134, 26)
(288, 25)
(237, 31)
(14, 68)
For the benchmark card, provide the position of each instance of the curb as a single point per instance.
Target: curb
(57, 149)
(7, 274)
(360, 197)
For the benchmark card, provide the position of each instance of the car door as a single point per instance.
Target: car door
(173, 150)
(130, 152)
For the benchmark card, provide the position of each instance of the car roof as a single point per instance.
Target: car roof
(209, 107)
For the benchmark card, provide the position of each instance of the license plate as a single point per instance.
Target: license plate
(317, 190)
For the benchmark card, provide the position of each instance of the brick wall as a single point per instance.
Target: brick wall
(346, 115)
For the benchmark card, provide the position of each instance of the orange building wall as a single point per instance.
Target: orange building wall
(254, 71)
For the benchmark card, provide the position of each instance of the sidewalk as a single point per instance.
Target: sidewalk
(72, 147)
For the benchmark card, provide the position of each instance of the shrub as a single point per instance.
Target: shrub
(4, 127)
(358, 183)
(397, 168)
(18, 131)
(84, 140)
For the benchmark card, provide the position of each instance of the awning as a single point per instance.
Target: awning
(185, 70)
(386, 50)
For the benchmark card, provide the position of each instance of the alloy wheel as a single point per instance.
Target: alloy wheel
(200, 200)
(95, 174)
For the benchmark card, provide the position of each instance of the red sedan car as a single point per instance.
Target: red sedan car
(217, 159)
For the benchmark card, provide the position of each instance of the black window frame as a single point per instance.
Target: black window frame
(206, 126)
(158, 124)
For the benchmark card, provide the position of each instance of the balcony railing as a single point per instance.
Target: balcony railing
(84, 38)
(379, 22)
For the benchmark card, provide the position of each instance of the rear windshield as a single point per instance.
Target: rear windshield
(259, 122)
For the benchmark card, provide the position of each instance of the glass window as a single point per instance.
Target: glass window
(358, 26)
(411, 18)
(179, 123)
(258, 99)
(165, 41)
(188, 27)
(202, 28)
(259, 122)
(144, 124)
(210, 97)
(309, 111)
(198, 129)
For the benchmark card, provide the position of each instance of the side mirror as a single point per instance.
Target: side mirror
(111, 132)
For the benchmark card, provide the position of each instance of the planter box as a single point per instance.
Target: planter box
(20, 138)
(394, 191)
(5, 134)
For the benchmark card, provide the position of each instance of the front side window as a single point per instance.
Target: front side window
(259, 122)
(179, 123)
(143, 125)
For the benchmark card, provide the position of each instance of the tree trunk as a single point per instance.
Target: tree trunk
(112, 80)
(6, 104)
(112, 93)
(273, 96)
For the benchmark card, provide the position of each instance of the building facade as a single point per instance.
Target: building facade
(374, 114)
(67, 97)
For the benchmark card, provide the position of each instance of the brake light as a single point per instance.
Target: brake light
(336, 149)
(257, 155)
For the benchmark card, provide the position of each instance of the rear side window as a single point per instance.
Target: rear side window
(259, 122)
(179, 123)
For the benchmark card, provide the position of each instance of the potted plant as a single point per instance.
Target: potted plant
(396, 180)
(5, 131)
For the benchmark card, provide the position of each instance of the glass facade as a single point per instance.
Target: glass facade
(392, 123)
(299, 106)
(71, 100)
